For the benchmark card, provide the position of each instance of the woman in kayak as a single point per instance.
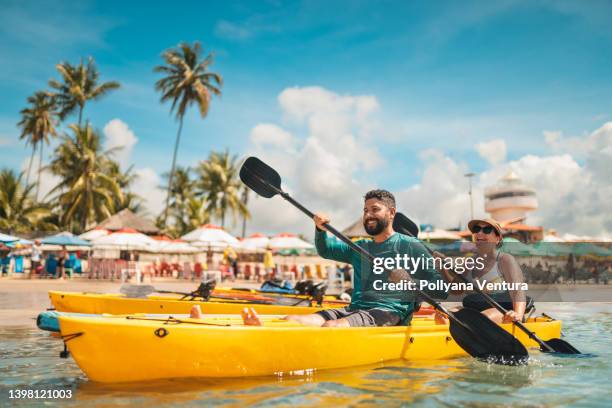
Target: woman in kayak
(369, 306)
(497, 267)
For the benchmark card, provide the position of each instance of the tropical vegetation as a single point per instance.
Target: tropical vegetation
(86, 191)
(85, 184)
(79, 84)
(38, 122)
(19, 211)
(187, 81)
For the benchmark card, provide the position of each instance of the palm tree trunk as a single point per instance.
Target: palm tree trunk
(80, 114)
(243, 225)
(176, 145)
(245, 199)
(30, 165)
(40, 166)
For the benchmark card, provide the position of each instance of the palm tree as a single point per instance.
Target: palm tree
(245, 202)
(181, 193)
(182, 189)
(37, 123)
(187, 81)
(219, 183)
(19, 212)
(124, 180)
(196, 214)
(79, 85)
(86, 191)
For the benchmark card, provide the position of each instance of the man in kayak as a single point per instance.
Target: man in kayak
(369, 305)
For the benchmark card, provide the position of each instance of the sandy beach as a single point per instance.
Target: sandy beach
(21, 300)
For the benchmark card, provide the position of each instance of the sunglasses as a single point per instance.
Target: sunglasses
(487, 229)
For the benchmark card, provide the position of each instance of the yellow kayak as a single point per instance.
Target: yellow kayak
(118, 304)
(123, 349)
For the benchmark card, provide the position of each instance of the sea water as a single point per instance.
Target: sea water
(29, 359)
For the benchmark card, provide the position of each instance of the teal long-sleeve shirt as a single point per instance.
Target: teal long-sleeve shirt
(364, 294)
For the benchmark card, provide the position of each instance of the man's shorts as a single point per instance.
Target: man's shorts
(362, 318)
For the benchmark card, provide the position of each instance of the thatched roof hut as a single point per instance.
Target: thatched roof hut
(127, 219)
(356, 230)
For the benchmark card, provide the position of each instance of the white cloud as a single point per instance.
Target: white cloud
(493, 151)
(232, 31)
(119, 135)
(48, 181)
(441, 198)
(322, 168)
(329, 154)
(573, 197)
(147, 185)
(271, 135)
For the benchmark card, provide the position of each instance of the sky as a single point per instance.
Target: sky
(346, 96)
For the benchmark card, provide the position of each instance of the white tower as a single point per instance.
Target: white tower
(509, 199)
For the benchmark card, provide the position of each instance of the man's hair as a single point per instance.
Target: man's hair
(383, 195)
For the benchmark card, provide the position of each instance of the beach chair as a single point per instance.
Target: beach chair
(335, 277)
(247, 272)
(197, 269)
(308, 269)
(319, 271)
(187, 270)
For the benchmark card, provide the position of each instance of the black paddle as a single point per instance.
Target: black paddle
(479, 338)
(406, 226)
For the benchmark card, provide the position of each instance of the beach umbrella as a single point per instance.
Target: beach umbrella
(439, 235)
(8, 238)
(126, 238)
(588, 248)
(289, 241)
(21, 241)
(65, 239)
(94, 234)
(515, 247)
(174, 247)
(209, 235)
(457, 246)
(552, 248)
(255, 242)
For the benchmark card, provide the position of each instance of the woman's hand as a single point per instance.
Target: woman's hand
(512, 316)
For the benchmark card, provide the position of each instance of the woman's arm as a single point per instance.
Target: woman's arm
(512, 273)
(447, 274)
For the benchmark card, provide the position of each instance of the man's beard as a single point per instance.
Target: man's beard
(377, 228)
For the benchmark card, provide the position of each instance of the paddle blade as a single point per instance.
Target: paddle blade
(405, 225)
(560, 346)
(260, 177)
(482, 338)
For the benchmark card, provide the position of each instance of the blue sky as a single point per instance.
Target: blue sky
(445, 75)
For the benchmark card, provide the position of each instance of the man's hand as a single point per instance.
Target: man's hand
(398, 275)
(319, 220)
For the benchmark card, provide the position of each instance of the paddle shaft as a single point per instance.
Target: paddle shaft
(489, 299)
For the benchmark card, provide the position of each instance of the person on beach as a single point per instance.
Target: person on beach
(61, 262)
(369, 307)
(269, 265)
(497, 267)
(36, 258)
